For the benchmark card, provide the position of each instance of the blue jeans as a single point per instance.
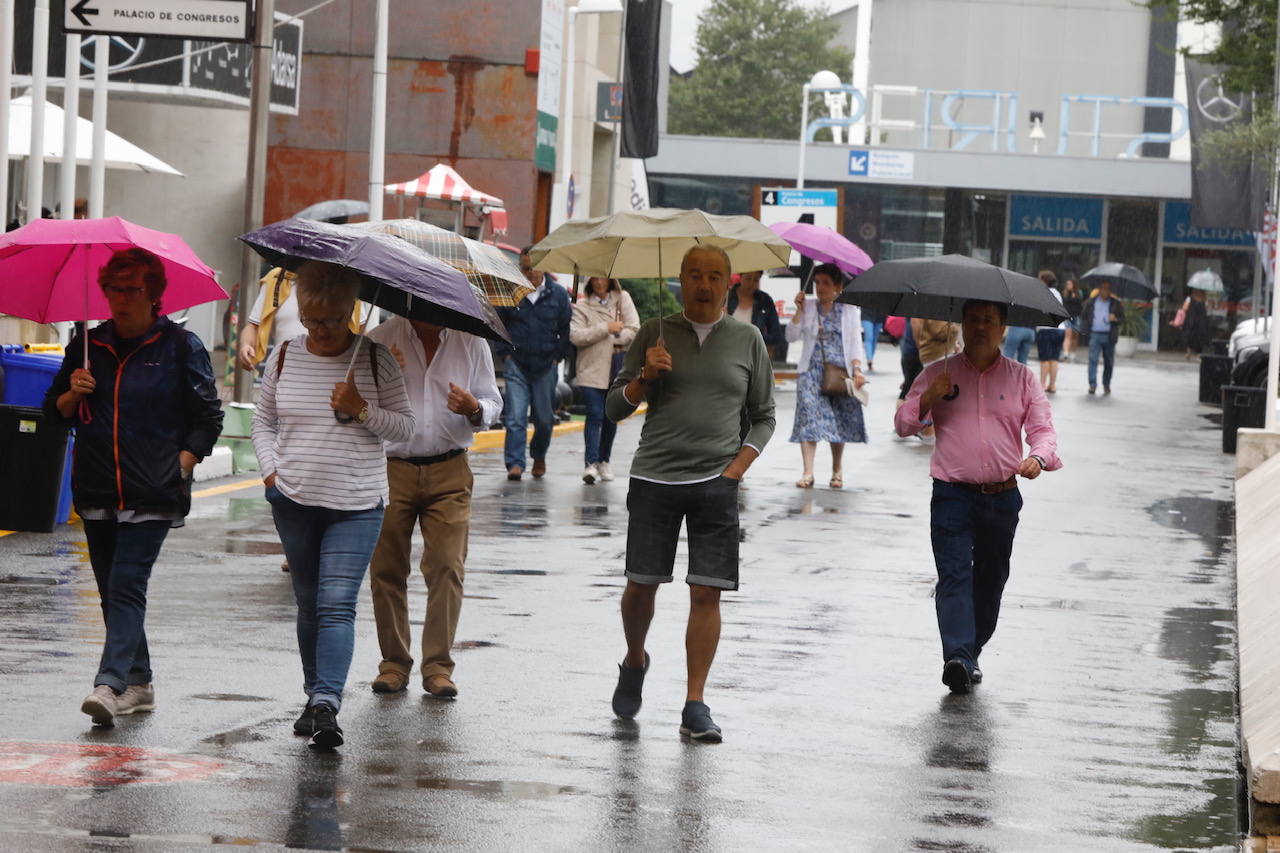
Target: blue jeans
(1100, 343)
(972, 539)
(122, 556)
(328, 551)
(870, 334)
(524, 393)
(600, 430)
(1017, 343)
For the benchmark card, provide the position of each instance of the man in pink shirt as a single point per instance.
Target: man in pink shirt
(979, 403)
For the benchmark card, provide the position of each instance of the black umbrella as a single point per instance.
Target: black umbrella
(337, 210)
(936, 288)
(1127, 282)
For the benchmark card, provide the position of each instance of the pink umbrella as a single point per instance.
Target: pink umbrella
(49, 268)
(824, 245)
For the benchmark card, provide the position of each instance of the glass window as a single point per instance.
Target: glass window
(911, 222)
(1067, 260)
(1131, 234)
(729, 196)
(1226, 308)
(975, 225)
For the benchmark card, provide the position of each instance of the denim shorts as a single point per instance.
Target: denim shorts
(709, 512)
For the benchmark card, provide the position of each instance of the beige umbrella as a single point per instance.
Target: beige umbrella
(651, 243)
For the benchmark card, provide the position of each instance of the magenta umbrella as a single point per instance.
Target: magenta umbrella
(49, 269)
(824, 245)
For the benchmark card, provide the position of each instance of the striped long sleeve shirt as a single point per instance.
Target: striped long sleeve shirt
(317, 460)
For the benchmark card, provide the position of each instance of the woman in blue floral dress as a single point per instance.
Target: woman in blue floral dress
(832, 333)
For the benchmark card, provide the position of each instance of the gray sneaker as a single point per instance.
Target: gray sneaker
(101, 705)
(696, 723)
(136, 698)
(606, 473)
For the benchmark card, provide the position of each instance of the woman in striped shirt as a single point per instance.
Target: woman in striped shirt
(318, 431)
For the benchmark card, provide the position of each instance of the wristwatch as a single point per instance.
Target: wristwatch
(363, 414)
(1038, 459)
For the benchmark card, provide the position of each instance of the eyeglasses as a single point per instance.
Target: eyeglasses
(123, 291)
(323, 322)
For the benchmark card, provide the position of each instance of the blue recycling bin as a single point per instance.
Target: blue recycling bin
(26, 378)
(27, 375)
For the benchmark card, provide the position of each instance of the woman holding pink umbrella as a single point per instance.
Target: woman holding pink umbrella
(142, 397)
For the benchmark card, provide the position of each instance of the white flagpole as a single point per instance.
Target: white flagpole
(6, 61)
(70, 114)
(98, 166)
(39, 94)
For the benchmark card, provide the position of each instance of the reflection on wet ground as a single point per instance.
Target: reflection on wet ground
(1106, 721)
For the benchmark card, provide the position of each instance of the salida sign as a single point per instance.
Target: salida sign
(1055, 217)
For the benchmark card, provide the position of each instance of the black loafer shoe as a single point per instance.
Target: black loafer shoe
(976, 676)
(627, 695)
(956, 676)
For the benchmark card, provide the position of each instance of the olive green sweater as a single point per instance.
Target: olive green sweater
(694, 425)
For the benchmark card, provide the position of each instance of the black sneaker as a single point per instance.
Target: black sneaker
(327, 734)
(626, 696)
(956, 676)
(305, 725)
(976, 676)
(696, 722)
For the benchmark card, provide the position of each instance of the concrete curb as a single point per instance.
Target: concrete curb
(1258, 614)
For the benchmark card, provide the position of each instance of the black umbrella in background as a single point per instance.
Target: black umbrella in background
(936, 288)
(337, 210)
(1127, 282)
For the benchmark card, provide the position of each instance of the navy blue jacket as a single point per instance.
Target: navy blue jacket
(147, 407)
(539, 330)
(764, 315)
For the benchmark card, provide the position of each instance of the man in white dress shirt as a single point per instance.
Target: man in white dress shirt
(450, 380)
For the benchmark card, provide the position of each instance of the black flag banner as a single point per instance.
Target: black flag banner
(640, 83)
(1222, 195)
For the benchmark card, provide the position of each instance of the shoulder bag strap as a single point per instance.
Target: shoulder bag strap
(284, 348)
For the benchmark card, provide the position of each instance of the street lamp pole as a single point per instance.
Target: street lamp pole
(39, 84)
(1273, 359)
(378, 130)
(6, 60)
(804, 132)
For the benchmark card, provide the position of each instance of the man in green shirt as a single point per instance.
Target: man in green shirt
(699, 372)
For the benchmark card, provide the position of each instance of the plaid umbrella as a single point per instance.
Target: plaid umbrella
(486, 266)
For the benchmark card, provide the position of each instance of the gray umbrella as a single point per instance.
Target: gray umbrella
(338, 208)
(1127, 282)
(936, 288)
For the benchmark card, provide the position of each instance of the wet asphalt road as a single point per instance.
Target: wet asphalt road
(1107, 721)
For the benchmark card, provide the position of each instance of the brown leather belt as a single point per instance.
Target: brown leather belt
(988, 488)
(431, 460)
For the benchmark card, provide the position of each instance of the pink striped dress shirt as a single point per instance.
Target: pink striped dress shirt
(979, 430)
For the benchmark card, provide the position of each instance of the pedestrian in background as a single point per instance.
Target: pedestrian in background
(152, 413)
(1100, 327)
(1017, 343)
(318, 431)
(1049, 339)
(936, 340)
(1195, 325)
(699, 371)
(539, 330)
(749, 304)
(1073, 301)
(604, 324)
(872, 324)
(832, 334)
(909, 357)
(981, 403)
(449, 379)
(274, 318)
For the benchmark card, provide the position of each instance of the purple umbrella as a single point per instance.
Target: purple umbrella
(396, 275)
(824, 245)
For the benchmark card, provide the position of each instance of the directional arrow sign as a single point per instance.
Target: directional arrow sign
(209, 20)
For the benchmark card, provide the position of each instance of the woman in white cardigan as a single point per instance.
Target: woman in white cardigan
(604, 324)
(832, 334)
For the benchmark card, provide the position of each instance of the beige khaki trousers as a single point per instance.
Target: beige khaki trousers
(436, 498)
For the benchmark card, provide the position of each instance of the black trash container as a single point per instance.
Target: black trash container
(1242, 406)
(33, 453)
(1215, 371)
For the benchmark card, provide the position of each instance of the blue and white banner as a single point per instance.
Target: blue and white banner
(1178, 230)
(1057, 217)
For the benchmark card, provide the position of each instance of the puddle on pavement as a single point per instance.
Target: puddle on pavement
(475, 644)
(28, 580)
(509, 790)
(230, 697)
(252, 547)
(1212, 520)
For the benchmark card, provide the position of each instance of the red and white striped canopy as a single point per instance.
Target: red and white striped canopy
(444, 183)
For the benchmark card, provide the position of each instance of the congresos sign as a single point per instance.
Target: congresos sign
(211, 20)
